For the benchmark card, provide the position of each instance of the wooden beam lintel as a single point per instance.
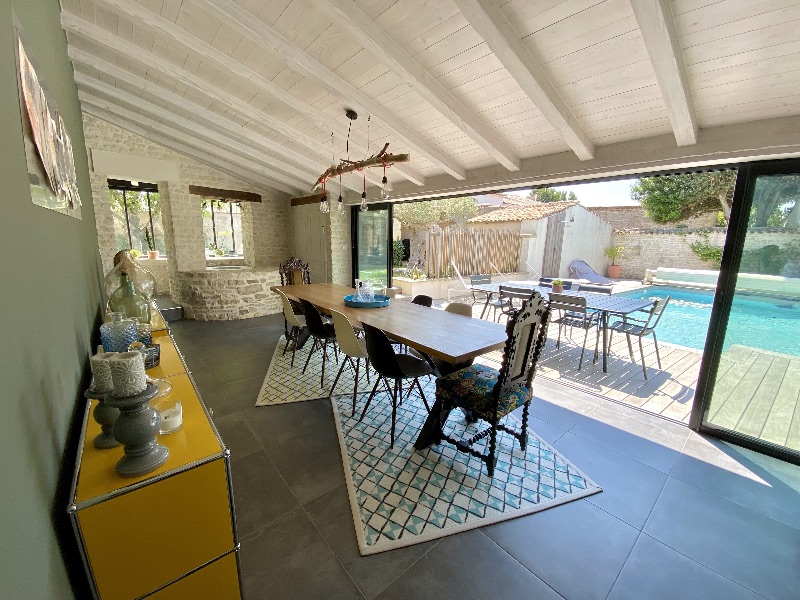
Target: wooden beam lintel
(221, 194)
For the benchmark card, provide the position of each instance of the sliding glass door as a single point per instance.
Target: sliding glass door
(750, 390)
(372, 235)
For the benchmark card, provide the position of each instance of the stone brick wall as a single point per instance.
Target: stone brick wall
(633, 217)
(650, 249)
(267, 227)
(227, 295)
(339, 267)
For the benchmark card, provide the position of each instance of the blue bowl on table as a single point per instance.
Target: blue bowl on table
(378, 302)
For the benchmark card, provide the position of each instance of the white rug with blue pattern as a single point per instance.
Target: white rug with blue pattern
(400, 496)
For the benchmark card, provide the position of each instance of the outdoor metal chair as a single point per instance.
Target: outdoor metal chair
(505, 300)
(573, 313)
(488, 394)
(479, 280)
(641, 328)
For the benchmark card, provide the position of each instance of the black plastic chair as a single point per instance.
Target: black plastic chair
(397, 367)
(423, 300)
(321, 332)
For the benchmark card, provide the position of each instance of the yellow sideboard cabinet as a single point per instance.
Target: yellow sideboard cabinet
(170, 534)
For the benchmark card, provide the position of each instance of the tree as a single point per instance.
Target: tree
(672, 198)
(421, 215)
(552, 195)
(775, 202)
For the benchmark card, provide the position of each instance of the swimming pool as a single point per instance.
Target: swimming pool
(757, 322)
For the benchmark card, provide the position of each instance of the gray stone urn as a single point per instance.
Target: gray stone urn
(136, 428)
(105, 416)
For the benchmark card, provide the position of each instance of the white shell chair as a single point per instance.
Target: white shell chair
(354, 349)
(295, 322)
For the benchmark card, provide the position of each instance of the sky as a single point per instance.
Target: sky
(608, 193)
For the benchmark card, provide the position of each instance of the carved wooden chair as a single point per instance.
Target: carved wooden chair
(487, 394)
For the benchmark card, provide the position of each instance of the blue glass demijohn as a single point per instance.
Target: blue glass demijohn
(118, 333)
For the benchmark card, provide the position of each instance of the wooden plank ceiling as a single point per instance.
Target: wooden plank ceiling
(260, 87)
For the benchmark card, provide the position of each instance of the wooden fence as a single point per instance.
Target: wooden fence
(472, 250)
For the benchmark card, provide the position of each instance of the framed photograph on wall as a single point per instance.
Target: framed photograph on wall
(48, 149)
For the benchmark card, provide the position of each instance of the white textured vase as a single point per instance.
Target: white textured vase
(102, 382)
(127, 372)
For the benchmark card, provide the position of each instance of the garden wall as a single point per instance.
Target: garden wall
(653, 248)
(633, 217)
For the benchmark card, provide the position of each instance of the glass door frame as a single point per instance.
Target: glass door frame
(743, 193)
(354, 212)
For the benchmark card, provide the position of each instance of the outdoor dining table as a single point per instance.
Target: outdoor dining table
(437, 333)
(605, 304)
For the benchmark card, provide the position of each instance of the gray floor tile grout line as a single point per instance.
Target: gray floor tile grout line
(514, 558)
(702, 565)
(325, 541)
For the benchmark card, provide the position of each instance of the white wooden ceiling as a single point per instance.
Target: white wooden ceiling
(475, 90)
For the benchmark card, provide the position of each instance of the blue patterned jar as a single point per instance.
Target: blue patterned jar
(118, 333)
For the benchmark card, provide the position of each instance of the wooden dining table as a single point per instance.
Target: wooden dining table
(439, 334)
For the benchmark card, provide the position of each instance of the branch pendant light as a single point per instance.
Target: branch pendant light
(381, 159)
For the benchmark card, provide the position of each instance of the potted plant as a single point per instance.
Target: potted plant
(613, 253)
(558, 286)
(152, 253)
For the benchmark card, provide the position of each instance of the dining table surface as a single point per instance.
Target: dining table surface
(440, 334)
(605, 304)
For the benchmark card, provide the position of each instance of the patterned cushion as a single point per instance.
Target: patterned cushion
(472, 387)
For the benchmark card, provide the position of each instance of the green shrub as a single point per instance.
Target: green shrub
(397, 252)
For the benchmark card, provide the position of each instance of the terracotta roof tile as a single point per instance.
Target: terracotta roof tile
(530, 212)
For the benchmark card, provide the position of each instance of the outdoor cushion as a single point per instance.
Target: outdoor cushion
(472, 387)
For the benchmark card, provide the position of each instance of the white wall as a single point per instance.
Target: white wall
(585, 238)
(534, 235)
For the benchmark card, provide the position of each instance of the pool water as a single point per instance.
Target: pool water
(756, 322)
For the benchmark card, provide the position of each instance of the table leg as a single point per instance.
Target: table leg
(429, 434)
(486, 304)
(605, 341)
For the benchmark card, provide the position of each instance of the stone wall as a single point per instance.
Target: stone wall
(339, 267)
(650, 249)
(227, 295)
(160, 270)
(633, 217)
(266, 226)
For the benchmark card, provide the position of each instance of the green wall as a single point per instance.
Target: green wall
(50, 273)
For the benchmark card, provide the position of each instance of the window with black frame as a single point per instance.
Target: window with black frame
(137, 216)
(222, 228)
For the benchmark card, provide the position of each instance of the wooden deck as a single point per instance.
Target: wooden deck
(757, 393)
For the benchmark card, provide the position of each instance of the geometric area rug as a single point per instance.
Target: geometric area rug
(284, 383)
(401, 496)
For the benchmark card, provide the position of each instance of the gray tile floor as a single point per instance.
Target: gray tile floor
(681, 516)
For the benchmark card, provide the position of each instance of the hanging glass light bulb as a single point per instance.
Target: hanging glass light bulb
(324, 207)
(341, 198)
(384, 185)
(364, 206)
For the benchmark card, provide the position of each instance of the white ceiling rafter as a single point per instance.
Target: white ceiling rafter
(249, 26)
(348, 16)
(309, 166)
(288, 174)
(657, 26)
(491, 24)
(180, 147)
(77, 26)
(212, 144)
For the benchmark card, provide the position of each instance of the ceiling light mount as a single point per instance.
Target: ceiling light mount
(350, 114)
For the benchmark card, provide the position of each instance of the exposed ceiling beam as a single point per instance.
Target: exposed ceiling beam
(348, 16)
(661, 40)
(491, 24)
(77, 26)
(214, 147)
(249, 26)
(170, 119)
(310, 167)
(180, 147)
